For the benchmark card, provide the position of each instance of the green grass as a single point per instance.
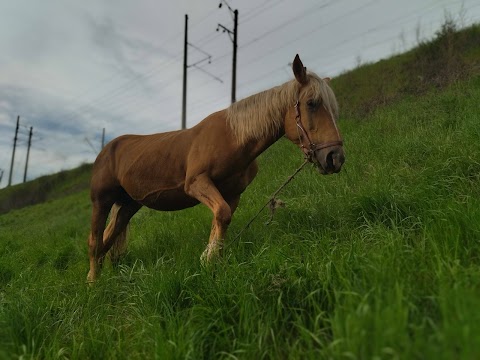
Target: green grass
(45, 188)
(379, 261)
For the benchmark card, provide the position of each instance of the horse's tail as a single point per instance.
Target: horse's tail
(119, 246)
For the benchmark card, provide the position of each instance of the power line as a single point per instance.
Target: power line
(310, 31)
(144, 56)
(111, 96)
(127, 85)
(300, 16)
(427, 8)
(264, 7)
(186, 65)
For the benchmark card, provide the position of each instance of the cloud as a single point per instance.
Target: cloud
(55, 140)
(127, 53)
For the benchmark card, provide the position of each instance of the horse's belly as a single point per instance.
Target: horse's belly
(169, 200)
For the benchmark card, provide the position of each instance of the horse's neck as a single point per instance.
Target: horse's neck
(255, 147)
(269, 109)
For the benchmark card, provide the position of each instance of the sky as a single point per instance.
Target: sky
(70, 69)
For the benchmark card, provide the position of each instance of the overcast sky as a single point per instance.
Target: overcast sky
(72, 68)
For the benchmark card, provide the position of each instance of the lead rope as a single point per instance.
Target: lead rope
(271, 201)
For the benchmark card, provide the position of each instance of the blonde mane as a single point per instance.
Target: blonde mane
(262, 115)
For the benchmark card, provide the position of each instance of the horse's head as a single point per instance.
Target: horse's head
(310, 122)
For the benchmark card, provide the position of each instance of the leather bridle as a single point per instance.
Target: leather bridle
(311, 147)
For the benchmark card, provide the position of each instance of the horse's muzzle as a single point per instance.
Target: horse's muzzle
(330, 160)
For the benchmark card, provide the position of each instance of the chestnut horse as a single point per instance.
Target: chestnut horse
(211, 163)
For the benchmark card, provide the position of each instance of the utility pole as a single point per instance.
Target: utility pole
(13, 153)
(234, 37)
(103, 139)
(28, 153)
(207, 57)
(234, 63)
(1, 176)
(185, 53)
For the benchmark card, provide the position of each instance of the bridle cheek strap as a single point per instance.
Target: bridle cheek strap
(310, 148)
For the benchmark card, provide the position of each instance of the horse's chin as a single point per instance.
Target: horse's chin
(319, 167)
(321, 170)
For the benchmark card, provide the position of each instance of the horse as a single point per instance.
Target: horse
(211, 163)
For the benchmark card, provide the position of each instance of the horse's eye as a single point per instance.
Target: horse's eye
(312, 104)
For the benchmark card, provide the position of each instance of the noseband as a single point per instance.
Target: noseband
(310, 148)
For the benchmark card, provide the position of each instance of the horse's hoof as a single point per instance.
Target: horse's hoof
(90, 279)
(204, 258)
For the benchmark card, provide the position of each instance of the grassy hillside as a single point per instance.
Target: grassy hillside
(452, 56)
(381, 260)
(45, 188)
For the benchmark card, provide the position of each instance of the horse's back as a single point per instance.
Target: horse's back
(141, 164)
(155, 168)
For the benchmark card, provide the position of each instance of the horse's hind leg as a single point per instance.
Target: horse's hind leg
(115, 236)
(95, 241)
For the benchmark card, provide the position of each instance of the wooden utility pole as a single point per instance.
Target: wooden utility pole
(1, 176)
(234, 65)
(207, 57)
(185, 66)
(28, 154)
(234, 37)
(103, 139)
(13, 152)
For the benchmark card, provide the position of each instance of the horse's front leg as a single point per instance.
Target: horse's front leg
(204, 190)
(217, 234)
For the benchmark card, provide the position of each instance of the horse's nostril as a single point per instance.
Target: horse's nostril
(334, 160)
(330, 160)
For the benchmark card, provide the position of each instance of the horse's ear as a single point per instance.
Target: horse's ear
(327, 80)
(299, 70)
